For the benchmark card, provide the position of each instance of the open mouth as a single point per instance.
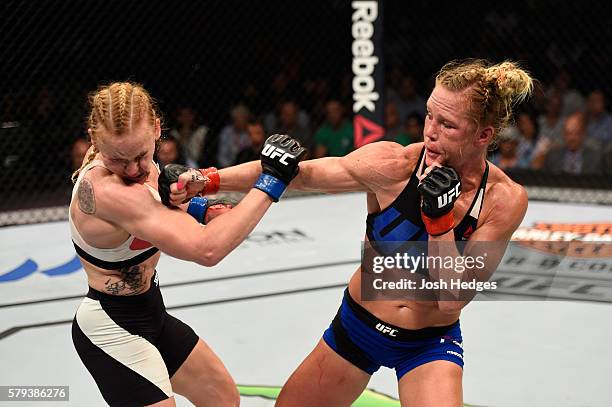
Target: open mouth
(433, 153)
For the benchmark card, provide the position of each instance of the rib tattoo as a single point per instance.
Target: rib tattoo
(132, 282)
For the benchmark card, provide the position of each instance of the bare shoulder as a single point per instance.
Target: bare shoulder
(110, 197)
(384, 162)
(505, 200)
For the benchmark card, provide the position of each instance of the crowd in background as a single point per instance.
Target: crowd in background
(240, 76)
(559, 130)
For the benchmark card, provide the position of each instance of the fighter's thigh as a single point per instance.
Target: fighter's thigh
(323, 379)
(434, 384)
(204, 380)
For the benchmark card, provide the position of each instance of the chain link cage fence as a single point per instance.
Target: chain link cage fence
(202, 59)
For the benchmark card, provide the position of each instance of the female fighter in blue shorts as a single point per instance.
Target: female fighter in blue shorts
(442, 190)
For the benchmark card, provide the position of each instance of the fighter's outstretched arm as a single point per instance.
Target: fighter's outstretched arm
(368, 168)
(175, 232)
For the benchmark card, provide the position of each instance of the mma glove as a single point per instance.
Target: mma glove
(170, 174)
(280, 157)
(199, 207)
(439, 190)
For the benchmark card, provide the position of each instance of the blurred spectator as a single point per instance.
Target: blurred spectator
(538, 99)
(234, 136)
(599, 121)
(289, 124)
(272, 118)
(551, 122)
(394, 79)
(77, 153)
(528, 139)
(47, 121)
(317, 92)
(607, 160)
(407, 100)
(335, 136)
(190, 135)
(571, 100)
(507, 153)
(168, 152)
(394, 131)
(257, 135)
(413, 127)
(574, 157)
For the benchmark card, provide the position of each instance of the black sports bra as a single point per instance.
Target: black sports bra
(401, 221)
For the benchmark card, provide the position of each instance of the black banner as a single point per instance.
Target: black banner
(368, 71)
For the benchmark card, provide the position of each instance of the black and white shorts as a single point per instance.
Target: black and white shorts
(131, 345)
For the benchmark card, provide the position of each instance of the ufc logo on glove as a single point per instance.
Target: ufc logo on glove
(448, 197)
(273, 152)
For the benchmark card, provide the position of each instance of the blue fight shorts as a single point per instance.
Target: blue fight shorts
(369, 343)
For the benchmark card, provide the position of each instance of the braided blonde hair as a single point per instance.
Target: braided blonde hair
(491, 89)
(116, 109)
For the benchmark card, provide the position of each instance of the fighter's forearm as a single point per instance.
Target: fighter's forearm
(444, 247)
(239, 178)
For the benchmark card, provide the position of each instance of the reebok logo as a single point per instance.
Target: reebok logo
(447, 197)
(273, 152)
(386, 329)
(364, 62)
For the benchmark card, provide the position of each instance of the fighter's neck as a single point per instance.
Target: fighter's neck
(470, 172)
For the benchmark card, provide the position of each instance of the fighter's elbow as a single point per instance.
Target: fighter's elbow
(209, 258)
(207, 255)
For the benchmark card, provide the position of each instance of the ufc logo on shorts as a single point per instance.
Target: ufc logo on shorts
(273, 152)
(447, 197)
(386, 330)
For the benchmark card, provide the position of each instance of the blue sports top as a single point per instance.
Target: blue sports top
(401, 221)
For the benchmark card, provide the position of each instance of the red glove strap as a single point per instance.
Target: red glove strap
(215, 181)
(438, 226)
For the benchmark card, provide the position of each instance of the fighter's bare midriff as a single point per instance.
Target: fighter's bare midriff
(405, 314)
(413, 314)
(128, 281)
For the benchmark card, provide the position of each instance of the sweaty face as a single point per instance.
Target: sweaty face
(130, 155)
(448, 132)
